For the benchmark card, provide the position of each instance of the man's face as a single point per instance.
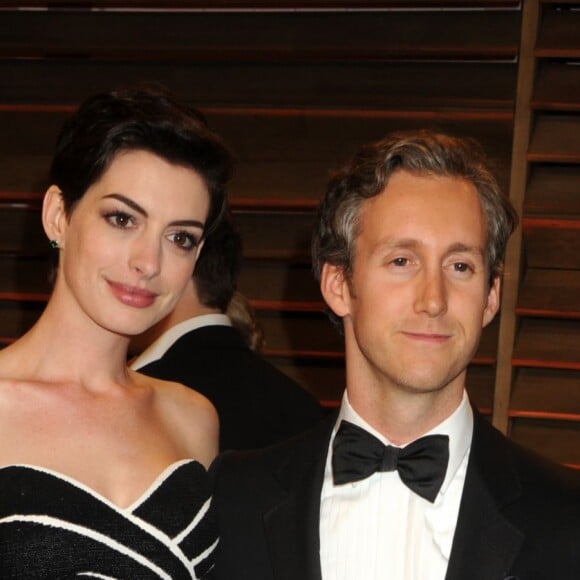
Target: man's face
(418, 298)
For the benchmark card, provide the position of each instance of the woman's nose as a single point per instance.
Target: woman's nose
(146, 257)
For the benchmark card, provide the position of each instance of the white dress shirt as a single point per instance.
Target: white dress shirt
(158, 348)
(378, 529)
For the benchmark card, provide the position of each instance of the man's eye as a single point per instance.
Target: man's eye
(400, 261)
(462, 267)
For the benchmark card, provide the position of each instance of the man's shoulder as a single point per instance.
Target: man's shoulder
(291, 456)
(210, 336)
(538, 478)
(198, 345)
(250, 369)
(540, 475)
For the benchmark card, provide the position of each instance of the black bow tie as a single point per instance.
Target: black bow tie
(356, 455)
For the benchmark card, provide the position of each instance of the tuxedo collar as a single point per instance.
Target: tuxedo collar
(486, 543)
(292, 525)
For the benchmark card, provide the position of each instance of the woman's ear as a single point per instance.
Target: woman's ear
(335, 289)
(54, 217)
(198, 251)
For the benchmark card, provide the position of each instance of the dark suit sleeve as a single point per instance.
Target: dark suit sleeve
(257, 404)
(240, 496)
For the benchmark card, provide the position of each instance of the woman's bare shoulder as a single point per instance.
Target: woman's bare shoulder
(191, 415)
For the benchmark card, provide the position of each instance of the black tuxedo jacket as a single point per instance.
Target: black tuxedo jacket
(519, 516)
(258, 405)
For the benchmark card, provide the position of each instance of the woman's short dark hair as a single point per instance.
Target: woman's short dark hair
(421, 153)
(217, 269)
(139, 118)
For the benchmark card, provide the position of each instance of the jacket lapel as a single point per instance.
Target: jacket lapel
(486, 543)
(292, 525)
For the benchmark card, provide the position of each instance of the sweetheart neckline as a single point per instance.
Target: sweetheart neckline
(164, 475)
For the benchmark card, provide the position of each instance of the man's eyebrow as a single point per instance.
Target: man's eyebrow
(135, 206)
(392, 243)
(464, 248)
(413, 244)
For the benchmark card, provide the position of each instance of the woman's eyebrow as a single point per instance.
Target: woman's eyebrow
(189, 223)
(135, 206)
(129, 202)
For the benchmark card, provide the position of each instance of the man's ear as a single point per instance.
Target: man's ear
(492, 302)
(54, 217)
(335, 289)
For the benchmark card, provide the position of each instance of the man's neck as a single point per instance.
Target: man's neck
(402, 417)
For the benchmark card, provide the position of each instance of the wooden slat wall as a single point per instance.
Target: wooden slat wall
(547, 345)
(295, 92)
(538, 373)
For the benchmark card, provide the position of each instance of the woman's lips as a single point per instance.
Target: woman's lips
(132, 296)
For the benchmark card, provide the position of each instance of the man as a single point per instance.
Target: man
(408, 248)
(197, 345)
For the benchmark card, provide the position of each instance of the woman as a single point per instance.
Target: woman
(102, 470)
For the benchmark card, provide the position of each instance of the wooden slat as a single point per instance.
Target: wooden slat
(558, 36)
(546, 390)
(21, 231)
(285, 236)
(557, 87)
(23, 276)
(550, 344)
(260, 36)
(552, 243)
(269, 280)
(181, 5)
(553, 192)
(348, 84)
(551, 293)
(299, 332)
(556, 139)
(518, 179)
(559, 440)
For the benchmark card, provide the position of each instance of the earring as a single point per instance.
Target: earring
(54, 244)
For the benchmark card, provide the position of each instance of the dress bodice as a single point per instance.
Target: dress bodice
(52, 526)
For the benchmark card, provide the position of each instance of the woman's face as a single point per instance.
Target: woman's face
(130, 244)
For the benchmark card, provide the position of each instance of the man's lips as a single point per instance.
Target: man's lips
(427, 337)
(132, 295)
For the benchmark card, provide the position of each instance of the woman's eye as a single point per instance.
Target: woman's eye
(119, 219)
(183, 240)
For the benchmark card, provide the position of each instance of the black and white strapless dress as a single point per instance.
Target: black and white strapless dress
(54, 527)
